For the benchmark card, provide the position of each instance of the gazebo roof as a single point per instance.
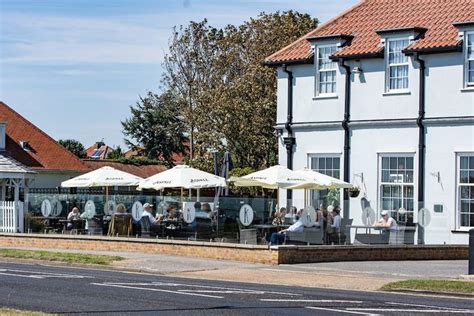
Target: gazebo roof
(10, 168)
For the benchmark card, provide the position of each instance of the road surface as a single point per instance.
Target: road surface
(73, 291)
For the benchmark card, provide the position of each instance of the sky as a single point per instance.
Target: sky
(74, 67)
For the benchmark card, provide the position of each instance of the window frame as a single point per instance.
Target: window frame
(402, 185)
(310, 166)
(467, 83)
(458, 190)
(318, 71)
(388, 65)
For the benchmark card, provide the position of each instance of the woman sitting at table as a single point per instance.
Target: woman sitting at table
(279, 217)
(74, 215)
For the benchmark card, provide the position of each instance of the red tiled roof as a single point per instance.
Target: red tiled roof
(144, 171)
(44, 152)
(105, 151)
(362, 20)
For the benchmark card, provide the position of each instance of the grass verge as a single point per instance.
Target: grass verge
(445, 286)
(15, 312)
(59, 256)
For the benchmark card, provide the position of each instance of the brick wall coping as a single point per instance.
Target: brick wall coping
(364, 247)
(138, 240)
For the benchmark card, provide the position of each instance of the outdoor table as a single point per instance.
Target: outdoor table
(382, 235)
(77, 224)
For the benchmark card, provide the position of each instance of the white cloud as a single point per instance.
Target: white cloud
(75, 40)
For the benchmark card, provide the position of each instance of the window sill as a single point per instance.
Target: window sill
(461, 231)
(325, 96)
(468, 89)
(400, 92)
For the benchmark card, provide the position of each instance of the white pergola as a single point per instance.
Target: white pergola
(14, 175)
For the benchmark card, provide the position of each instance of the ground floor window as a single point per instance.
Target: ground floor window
(329, 165)
(466, 189)
(397, 186)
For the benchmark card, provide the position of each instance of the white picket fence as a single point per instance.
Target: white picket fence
(11, 217)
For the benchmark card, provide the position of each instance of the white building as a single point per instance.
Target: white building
(383, 96)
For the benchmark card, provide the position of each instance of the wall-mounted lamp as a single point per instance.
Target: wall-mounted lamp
(436, 175)
(356, 70)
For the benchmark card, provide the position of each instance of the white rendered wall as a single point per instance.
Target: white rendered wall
(52, 179)
(445, 95)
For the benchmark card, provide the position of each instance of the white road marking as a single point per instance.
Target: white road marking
(155, 290)
(309, 301)
(421, 305)
(382, 309)
(340, 311)
(223, 292)
(22, 276)
(218, 288)
(40, 275)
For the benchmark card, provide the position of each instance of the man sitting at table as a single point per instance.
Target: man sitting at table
(386, 221)
(73, 216)
(279, 238)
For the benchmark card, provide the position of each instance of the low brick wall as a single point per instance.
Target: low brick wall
(226, 251)
(238, 252)
(307, 254)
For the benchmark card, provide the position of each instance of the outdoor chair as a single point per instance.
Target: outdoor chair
(120, 225)
(247, 235)
(145, 226)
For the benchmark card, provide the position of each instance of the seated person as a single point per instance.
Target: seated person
(279, 217)
(290, 217)
(154, 221)
(172, 214)
(120, 210)
(200, 213)
(74, 215)
(386, 222)
(279, 237)
(334, 224)
(206, 208)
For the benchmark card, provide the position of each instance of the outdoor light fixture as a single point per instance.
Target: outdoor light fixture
(356, 70)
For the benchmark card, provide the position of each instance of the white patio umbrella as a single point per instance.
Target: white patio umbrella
(318, 181)
(271, 178)
(103, 177)
(184, 177)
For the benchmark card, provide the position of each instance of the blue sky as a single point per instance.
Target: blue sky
(73, 67)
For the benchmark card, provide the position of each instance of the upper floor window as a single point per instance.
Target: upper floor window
(326, 71)
(397, 65)
(470, 59)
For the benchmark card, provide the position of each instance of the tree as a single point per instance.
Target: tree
(115, 154)
(74, 147)
(156, 124)
(228, 95)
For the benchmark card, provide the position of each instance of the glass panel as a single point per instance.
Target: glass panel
(464, 177)
(314, 163)
(472, 192)
(337, 175)
(471, 176)
(471, 162)
(401, 163)
(322, 163)
(464, 219)
(464, 162)
(385, 162)
(464, 205)
(328, 163)
(409, 177)
(386, 191)
(385, 176)
(472, 220)
(465, 192)
(393, 163)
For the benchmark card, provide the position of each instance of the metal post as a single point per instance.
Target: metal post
(471, 252)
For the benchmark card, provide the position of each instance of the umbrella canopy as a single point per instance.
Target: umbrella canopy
(271, 178)
(182, 177)
(102, 177)
(319, 181)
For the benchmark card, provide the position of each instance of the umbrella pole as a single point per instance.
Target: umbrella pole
(181, 198)
(107, 199)
(305, 197)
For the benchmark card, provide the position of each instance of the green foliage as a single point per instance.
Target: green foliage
(115, 154)
(59, 256)
(73, 146)
(240, 172)
(157, 125)
(139, 161)
(443, 286)
(223, 94)
(333, 197)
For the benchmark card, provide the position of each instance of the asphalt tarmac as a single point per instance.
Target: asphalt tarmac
(85, 291)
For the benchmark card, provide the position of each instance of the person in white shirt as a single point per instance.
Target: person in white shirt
(386, 221)
(147, 213)
(279, 238)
